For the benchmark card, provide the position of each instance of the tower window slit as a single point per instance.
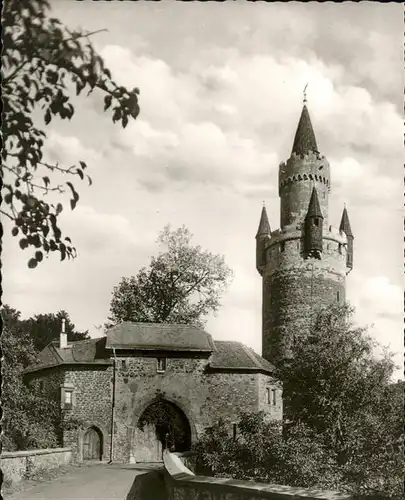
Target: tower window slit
(282, 246)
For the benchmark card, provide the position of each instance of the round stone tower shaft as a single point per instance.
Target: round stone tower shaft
(304, 263)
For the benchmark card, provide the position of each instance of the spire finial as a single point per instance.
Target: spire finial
(305, 93)
(264, 203)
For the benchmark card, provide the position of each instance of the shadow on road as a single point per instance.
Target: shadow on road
(149, 486)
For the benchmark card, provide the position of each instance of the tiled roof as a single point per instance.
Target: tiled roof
(345, 224)
(162, 336)
(264, 225)
(90, 351)
(314, 208)
(226, 355)
(304, 140)
(231, 355)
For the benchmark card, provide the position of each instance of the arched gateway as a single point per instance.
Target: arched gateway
(162, 425)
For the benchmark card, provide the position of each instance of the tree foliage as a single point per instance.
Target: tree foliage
(181, 285)
(28, 420)
(261, 453)
(43, 61)
(44, 328)
(344, 425)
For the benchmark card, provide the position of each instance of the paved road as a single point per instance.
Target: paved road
(95, 482)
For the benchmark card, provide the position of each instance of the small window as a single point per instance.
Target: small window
(161, 365)
(234, 431)
(316, 222)
(67, 402)
(340, 248)
(124, 364)
(337, 296)
(268, 395)
(282, 246)
(273, 397)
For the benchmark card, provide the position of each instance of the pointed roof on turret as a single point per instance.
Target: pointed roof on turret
(345, 224)
(304, 140)
(314, 208)
(264, 225)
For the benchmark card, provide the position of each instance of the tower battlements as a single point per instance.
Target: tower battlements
(304, 263)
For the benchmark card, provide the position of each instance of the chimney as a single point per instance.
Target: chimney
(63, 336)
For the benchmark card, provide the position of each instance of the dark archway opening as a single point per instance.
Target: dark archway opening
(171, 425)
(93, 444)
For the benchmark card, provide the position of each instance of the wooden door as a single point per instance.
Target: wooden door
(92, 445)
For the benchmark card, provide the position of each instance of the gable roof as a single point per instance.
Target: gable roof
(227, 356)
(159, 336)
(235, 356)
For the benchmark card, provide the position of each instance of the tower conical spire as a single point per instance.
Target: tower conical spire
(314, 208)
(345, 224)
(304, 140)
(264, 225)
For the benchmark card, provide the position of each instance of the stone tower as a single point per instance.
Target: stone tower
(304, 263)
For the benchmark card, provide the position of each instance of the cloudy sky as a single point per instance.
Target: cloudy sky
(221, 93)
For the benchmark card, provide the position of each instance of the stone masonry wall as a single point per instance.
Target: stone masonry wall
(137, 386)
(297, 177)
(291, 297)
(92, 391)
(202, 397)
(19, 465)
(274, 411)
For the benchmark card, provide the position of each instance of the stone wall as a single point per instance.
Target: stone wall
(19, 465)
(297, 177)
(91, 405)
(201, 396)
(182, 484)
(266, 383)
(293, 293)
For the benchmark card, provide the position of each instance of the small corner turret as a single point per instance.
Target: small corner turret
(313, 227)
(346, 228)
(263, 233)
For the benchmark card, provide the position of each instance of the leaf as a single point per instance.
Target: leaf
(107, 102)
(39, 256)
(80, 173)
(48, 116)
(23, 243)
(59, 208)
(62, 249)
(14, 231)
(32, 263)
(46, 180)
(83, 165)
(74, 192)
